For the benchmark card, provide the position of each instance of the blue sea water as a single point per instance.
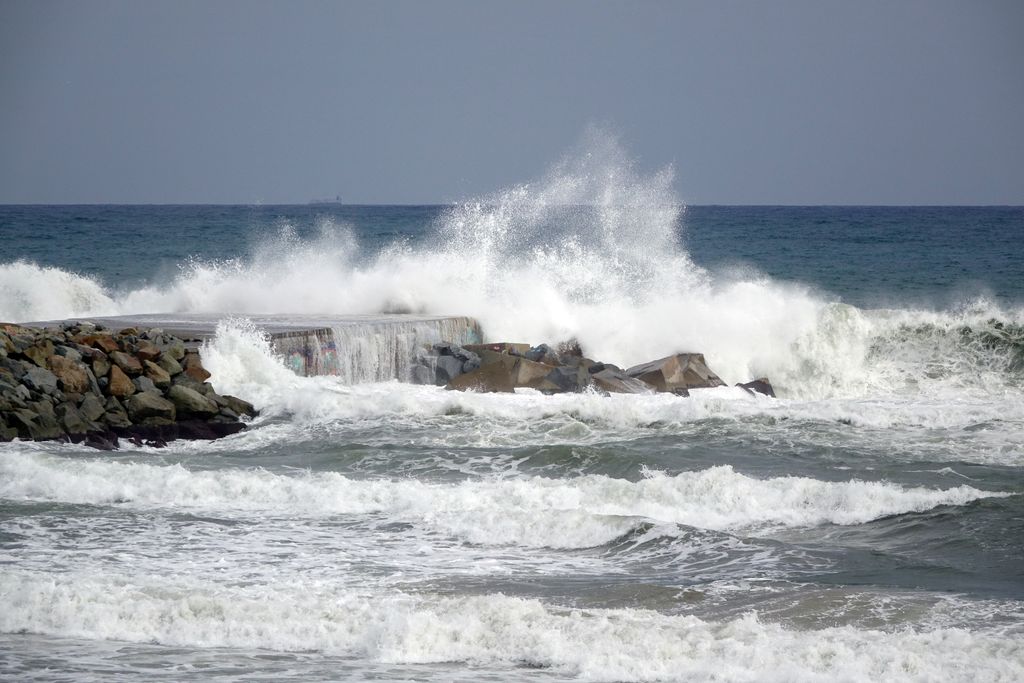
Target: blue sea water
(868, 256)
(868, 524)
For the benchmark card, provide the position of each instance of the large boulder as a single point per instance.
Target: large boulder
(191, 402)
(682, 371)
(193, 367)
(492, 378)
(616, 381)
(128, 363)
(119, 385)
(149, 405)
(41, 380)
(72, 374)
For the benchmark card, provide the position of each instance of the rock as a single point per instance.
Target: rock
(168, 365)
(193, 367)
(760, 386)
(68, 352)
(156, 374)
(495, 377)
(33, 426)
(144, 384)
(681, 371)
(616, 381)
(191, 402)
(39, 352)
(7, 433)
(542, 354)
(103, 342)
(115, 415)
(173, 349)
(148, 405)
(70, 420)
(101, 365)
(102, 441)
(566, 379)
(128, 363)
(146, 351)
(72, 375)
(91, 408)
(530, 373)
(119, 384)
(446, 368)
(41, 380)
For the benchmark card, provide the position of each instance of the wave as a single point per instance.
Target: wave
(495, 630)
(591, 250)
(580, 512)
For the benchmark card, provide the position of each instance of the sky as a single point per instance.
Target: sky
(783, 102)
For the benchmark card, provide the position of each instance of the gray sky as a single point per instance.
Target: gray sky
(787, 102)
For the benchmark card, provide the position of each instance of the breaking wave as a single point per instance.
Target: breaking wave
(608, 644)
(592, 250)
(578, 512)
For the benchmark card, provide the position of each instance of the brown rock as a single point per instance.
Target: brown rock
(146, 351)
(193, 367)
(119, 385)
(499, 347)
(73, 375)
(496, 377)
(127, 362)
(100, 365)
(618, 382)
(103, 342)
(681, 371)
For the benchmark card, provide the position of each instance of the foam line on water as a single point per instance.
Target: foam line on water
(584, 511)
(614, 644)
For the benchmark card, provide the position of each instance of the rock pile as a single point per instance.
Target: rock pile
(82, 382)
(504, 367)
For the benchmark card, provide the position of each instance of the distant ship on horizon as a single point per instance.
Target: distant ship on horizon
(319, 202)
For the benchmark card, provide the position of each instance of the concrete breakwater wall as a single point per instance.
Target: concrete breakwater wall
(356, 348)
(371, 349)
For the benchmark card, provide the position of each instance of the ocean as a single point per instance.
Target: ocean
(866, 525)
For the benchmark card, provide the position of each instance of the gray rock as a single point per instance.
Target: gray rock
(169, 365)
(41, 380)
(447, 368)
(240, 406)
(144, 384)
(115, 415)
(191, 402)
(71, 420)
(147, 404)
(760, 386)
(91, 408)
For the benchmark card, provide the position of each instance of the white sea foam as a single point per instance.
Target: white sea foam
(495, 630)
(583, 511)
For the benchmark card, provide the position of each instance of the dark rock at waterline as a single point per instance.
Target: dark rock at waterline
(760, 386)
(84, 384)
